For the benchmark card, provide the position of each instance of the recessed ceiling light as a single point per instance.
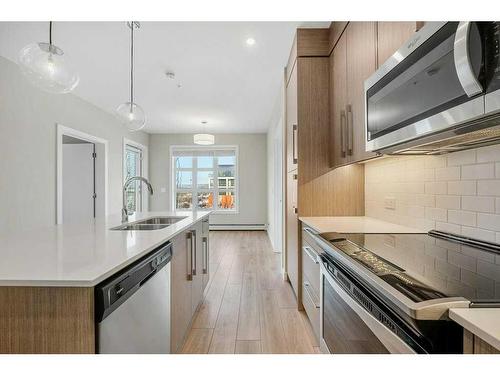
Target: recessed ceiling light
(250, 41)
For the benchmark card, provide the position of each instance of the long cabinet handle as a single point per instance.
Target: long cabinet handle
(350, 134)
(309, 293)
(294, 144)
(193, 250)
(342, 133)
(311, 253)
(205, 255)
(189, 239)
(463, 63)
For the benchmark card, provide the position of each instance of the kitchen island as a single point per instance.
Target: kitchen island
(48, 275)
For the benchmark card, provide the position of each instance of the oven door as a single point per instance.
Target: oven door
(431, 84)
(347, 327)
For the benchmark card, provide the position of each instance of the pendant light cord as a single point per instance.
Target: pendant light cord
(131, 65)
(50, 33)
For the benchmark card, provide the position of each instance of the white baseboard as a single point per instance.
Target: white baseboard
(238, 226)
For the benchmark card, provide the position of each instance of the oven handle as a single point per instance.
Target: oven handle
(463, 64)
(390, 340)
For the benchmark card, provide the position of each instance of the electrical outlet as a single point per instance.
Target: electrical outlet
(390, 240)
(390, 203)
(163, 190)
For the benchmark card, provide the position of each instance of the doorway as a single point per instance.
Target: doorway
(81, 176)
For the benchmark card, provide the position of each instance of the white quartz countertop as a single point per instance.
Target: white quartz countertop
(355, 224)
(482, 322)
(80, 255)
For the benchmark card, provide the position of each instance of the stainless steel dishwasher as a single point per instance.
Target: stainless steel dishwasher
(133, 307)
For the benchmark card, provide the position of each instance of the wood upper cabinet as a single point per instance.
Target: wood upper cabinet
(352, 61)
(292, 121)
(391, 36)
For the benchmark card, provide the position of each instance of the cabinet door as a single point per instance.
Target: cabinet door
(197, 261)
(338, 98)
(391, 36)
(291, 122)
(361, 63)
(292, 232)
(181, 308)
(205, 252)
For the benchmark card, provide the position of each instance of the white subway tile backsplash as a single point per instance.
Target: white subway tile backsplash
(448, 201)
(436, 188)
(488, 187)
(478, 171)
(461, 157)
(478, 204)
(462, 217)
(490, 153)
(447, 227)
(480, 234)
(458, 192)
(462, 187)
(438, 214)
(447, 174)
(488, 221)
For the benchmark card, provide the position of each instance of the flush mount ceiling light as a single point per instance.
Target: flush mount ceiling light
(250, 41)
(130, 113)
(46, 67)
(204, 139)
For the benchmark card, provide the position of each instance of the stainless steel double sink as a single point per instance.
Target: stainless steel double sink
(152, 223)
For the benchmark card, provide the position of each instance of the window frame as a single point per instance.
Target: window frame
(195, 190)
(144, 167)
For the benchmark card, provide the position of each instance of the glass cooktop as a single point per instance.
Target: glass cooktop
(426, 266)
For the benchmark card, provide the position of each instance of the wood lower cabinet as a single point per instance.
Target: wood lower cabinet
(205, 247)
(187, 282)
(475, 345)
(292, 233)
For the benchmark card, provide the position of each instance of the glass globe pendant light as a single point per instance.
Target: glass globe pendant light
(45, 66)
(130, 113)
(204, 139)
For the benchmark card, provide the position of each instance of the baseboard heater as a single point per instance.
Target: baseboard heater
(238, 227)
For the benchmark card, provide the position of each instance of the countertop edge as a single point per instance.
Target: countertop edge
(454, 314)
(309, 221)
(48, 283)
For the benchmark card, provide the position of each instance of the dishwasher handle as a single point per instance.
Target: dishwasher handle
(114, 291)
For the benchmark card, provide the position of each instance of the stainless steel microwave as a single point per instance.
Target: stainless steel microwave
(439, 93)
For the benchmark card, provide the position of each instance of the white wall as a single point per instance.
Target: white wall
(275, 193)
(28, 120)
(458, 192)
(252, 172)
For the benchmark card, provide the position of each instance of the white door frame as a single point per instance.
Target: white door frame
(64, 130)
(144, 168)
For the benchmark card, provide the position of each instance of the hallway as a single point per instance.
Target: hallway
(248, 308)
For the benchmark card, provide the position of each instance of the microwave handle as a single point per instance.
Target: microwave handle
(463, 65)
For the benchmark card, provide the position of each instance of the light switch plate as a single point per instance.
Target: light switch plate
(390, 203)
(163, 189)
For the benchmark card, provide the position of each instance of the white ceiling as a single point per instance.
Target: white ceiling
(224, 81)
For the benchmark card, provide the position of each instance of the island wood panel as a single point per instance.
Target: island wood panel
(313, 117)
(47, 320)
(475, 345)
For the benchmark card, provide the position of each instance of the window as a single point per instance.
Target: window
(205, 178)
(133, 167)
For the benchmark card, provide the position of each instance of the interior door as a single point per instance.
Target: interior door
(78, 182)
(361, 64)
(292, 228)
(338, 97)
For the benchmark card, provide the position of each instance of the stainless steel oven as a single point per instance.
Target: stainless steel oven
(352, 322)
(438, 93)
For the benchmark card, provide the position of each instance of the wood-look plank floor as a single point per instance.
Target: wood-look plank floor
(247, 307)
